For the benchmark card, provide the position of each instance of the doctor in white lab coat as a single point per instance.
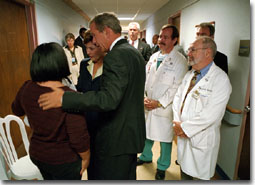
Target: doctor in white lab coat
(164, 73)
(198, 114)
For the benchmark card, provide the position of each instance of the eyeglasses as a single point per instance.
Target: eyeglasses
(193, 49)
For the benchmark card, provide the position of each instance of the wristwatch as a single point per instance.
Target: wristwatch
(159, 104)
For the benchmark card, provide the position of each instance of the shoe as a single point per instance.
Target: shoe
(140, 162)
(160, 175)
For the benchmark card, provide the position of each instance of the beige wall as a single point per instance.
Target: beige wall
(55, 19)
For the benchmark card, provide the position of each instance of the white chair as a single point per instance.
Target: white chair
(22, 168)
(26, 121)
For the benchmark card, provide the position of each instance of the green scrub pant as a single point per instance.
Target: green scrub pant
(164, 159)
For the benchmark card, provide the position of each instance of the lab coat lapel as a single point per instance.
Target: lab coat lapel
(160, 68)
(202, 82)
(187, 85)
(205, 79)
(156, 71)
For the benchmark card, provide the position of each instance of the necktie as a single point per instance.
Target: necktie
(160, 59)
(133, 43)
(191, 85)
(159, 62)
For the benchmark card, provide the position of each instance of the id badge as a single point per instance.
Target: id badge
(195, 94)
(73, 61)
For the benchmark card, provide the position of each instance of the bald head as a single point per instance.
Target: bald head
(208, 42)
(201, 52)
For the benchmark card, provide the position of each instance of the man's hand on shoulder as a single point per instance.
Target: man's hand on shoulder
(52, 99)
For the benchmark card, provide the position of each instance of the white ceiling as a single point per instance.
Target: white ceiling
(140, 10)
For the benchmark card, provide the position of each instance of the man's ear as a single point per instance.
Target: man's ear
(208, 52)
(175, 40)
(107, 31)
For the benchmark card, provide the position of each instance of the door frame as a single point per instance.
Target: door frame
(242, 130)
(170, 21)
(31, 23)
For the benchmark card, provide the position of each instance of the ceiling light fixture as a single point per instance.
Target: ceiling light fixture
(130, 18)
(126, 18)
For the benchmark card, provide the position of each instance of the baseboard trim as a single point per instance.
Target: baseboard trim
(221, 173)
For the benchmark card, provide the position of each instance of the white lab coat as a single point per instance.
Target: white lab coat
(161, 85)
(201, 119)
(74, 69)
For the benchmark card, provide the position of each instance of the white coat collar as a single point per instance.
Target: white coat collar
(169, 57)
(205, 79)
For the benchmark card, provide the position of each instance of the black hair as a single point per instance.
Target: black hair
(49, 63)
(82, 30)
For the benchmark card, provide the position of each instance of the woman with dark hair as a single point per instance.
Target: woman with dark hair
(59, 144)
(89, 80)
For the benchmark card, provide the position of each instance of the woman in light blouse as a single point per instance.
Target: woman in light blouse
(74, 55)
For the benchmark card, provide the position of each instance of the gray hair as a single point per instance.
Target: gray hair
(134, 23)
(106, 19)
(208, 42)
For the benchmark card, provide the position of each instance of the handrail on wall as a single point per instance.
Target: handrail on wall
(232, 110)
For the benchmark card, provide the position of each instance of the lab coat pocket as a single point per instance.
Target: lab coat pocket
(201, 101)
(166, 77)
(199, 140)
(164, 112)
(199, 106)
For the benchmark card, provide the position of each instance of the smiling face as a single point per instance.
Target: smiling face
(99, 38)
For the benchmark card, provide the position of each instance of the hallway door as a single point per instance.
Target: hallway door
(14, 59)
(176, 21)
(243, 162)
(14, 52)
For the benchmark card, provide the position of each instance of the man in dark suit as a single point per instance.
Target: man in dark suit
(121, 134)
(79, 41)
(133, 32)
(155, 46)
(207, 29)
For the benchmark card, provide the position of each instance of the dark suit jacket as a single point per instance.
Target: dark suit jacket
(78, 41)
(154, 49)
(120, 98)
(85, 84)
(221, 60)
(145, 50)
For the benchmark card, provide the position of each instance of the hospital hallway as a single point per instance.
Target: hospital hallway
(28, 24)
